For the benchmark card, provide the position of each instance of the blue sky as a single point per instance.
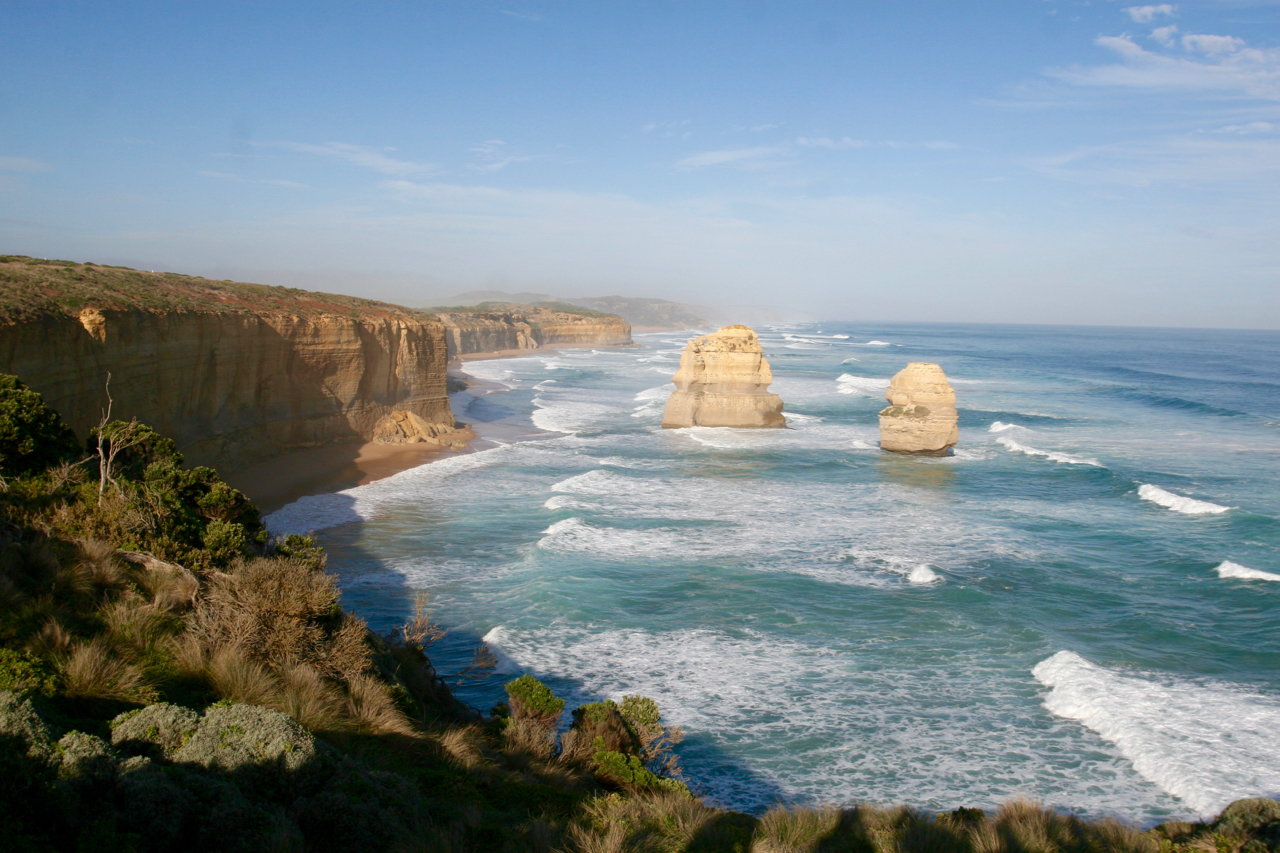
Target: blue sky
(1033, 161)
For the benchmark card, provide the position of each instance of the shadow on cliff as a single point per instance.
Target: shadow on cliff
(379, 593)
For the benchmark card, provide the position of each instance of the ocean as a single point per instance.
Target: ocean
(1081, 606)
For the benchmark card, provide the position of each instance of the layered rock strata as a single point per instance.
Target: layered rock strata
(234, 373)
(921, 417)
(723, 381)
(528, 327)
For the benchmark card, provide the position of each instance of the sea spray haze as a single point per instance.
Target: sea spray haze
(1079, 605)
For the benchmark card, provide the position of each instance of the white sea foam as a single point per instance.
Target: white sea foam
(494, 370)
(877, 344)
(841, 337)
(859, 444)
(834, 727)
(850, 360)
(568, 417)
(506, 665)
(847, 383)
(1207, 743)
(661, 392)
(1064, 458)
(1000, 426)
(1229, 569)
(924, 574)
(1178, 503)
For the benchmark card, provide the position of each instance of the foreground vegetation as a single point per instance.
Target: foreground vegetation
(173, 678)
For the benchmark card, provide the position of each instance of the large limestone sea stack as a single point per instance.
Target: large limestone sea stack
(921, 416)
(724, 381)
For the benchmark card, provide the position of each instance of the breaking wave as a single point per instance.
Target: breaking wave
(1178, 503)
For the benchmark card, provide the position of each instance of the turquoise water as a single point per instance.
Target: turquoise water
(1082, 605)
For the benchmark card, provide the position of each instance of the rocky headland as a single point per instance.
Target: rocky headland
(232, 372)
(921, 417)
(498, 327)
(723, 381)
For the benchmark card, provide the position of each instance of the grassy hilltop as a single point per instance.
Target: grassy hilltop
(31, 287)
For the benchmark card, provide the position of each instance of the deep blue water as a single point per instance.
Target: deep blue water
(1082, 605)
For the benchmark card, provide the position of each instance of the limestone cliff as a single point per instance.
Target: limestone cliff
(921, 416)
(233, 372)
(493, 327)
(723, 381)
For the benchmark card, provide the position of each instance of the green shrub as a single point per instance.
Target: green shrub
(530, 699)
(26, 673)
(630, 772)
(159, 729)
(87, 761)
(32, 435)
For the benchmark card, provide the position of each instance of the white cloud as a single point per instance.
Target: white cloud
(1164, 35)
(826, 142)
(1212, 44)
(1146, 14)
(1194, 159)
(1248, 72)
(740, 156)
(1245, 129)
(494, 155)
(23, 164)
(226, 176)
(371, 158)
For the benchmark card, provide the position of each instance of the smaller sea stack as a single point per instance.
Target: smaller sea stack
(723, 381)
(920, 419)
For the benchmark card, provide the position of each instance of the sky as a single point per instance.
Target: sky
(1028, 161)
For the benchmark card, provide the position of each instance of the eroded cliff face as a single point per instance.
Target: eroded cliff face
(723, 381)
(229, 380)
(529, 327)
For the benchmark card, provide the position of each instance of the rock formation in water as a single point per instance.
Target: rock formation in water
(724, 381)
(402, 427)
(493, 327)
(921, 416)
(232, 372)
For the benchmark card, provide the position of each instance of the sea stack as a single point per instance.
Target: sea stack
(723, 381)
(920, 419)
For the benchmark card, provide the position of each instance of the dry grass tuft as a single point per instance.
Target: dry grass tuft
(94, 671)
(235, 675)
(102, 568)
(785, 830)
(464, 745)
(527, 738)
(286, 612)
(138, 626)
(371, 708)
(308, 698)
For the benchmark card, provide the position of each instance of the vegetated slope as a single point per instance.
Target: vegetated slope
(647, 313)
(497, 326)
(232, 371)
(170, 679)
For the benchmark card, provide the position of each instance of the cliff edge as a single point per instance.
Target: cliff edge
(497, 326)
(233, 372)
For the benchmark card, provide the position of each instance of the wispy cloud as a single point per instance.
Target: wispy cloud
(1146, 14)
(1164, 35)
(1227, 67)
(1188, 160)
(495, 155)
(226, 176)
(827, 142)
(1245, 129)
(23, 164)
(360, 155)
(750, 157)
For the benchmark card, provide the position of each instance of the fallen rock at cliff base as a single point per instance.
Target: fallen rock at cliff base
(723, 381)
(401, 427)
(921, 416)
